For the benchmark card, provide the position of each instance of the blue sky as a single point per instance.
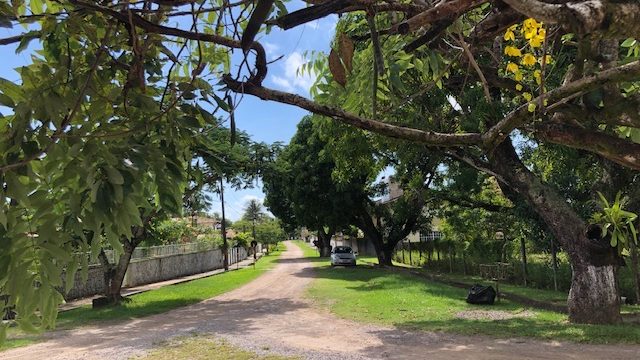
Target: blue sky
(264, 121)
(270, 121)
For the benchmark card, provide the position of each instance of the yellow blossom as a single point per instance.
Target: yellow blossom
(512, 51)
(509, 35)
(527, 96)
(542, 32)
(528, 60)
(530, 33)
(536, 41)
(538, 76)
(512, 67)
(518, 87)
(531, 23)
(519, 76)
(531, 107)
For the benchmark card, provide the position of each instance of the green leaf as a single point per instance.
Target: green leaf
(629, 42)
(190, 121)
(56, 251)
(15, 188)
(115, 177)
(614, 239)
(69, 275)
(12, 90)
(207, 116)
(26, 326)
(3, 218)
(6, 101)
(223, 104)
(24, 42)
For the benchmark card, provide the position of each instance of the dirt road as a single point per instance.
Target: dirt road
(271, 313)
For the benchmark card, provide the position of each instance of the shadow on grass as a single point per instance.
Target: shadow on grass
(121, 312)
(411, 302)
(531, 327)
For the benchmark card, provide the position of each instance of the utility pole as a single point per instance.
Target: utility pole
(225, 245)
(554, 259)
(523, 254)
(253, 231)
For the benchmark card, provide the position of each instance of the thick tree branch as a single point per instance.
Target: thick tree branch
(496, 134)
(621, 151)
(445, 9)
(494, 24)
(614, 19)
(468, 202)
(18, 38)
(395, 131)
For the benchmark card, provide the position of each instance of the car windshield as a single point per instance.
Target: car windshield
(343, 250)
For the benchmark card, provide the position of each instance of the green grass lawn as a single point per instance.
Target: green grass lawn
(312, 253)
(308, 250)
(389, 297)
(544, 295)
(205, 348)
(154, 301)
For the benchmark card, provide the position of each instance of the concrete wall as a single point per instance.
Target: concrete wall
(155, 269)
(362, 246)
(93, 285)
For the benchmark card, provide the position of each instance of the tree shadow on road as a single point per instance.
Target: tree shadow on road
(229, 318)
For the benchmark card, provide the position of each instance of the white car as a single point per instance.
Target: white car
(343, 255)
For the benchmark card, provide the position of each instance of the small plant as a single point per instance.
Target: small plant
(616, 222)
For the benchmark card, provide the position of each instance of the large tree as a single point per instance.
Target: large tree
(454, 46)
(300, 189)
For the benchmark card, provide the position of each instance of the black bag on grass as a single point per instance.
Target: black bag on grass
(481, 295)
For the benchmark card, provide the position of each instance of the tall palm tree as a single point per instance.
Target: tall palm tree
(253, 212)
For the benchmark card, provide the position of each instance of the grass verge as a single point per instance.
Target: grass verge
(389, 297)
(205, 348)
(153, 301)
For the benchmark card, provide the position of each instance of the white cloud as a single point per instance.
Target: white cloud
(271, 49)
(283, 83)
(245, 199)
(291, 79)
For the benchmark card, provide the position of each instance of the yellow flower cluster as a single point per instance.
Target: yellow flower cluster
(534, 32)
(534, 35)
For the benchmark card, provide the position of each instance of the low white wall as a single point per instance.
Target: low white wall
(155, 269)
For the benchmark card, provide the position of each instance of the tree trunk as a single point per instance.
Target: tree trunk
(464, 263)
(114, 273)
(554, 260)
(593, 298)
(594, 292)
(634, 271)
(385, 257)
(324, 242)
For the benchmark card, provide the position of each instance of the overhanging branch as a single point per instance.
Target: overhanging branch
(379, 127)
(621, 151)
(497, 133)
